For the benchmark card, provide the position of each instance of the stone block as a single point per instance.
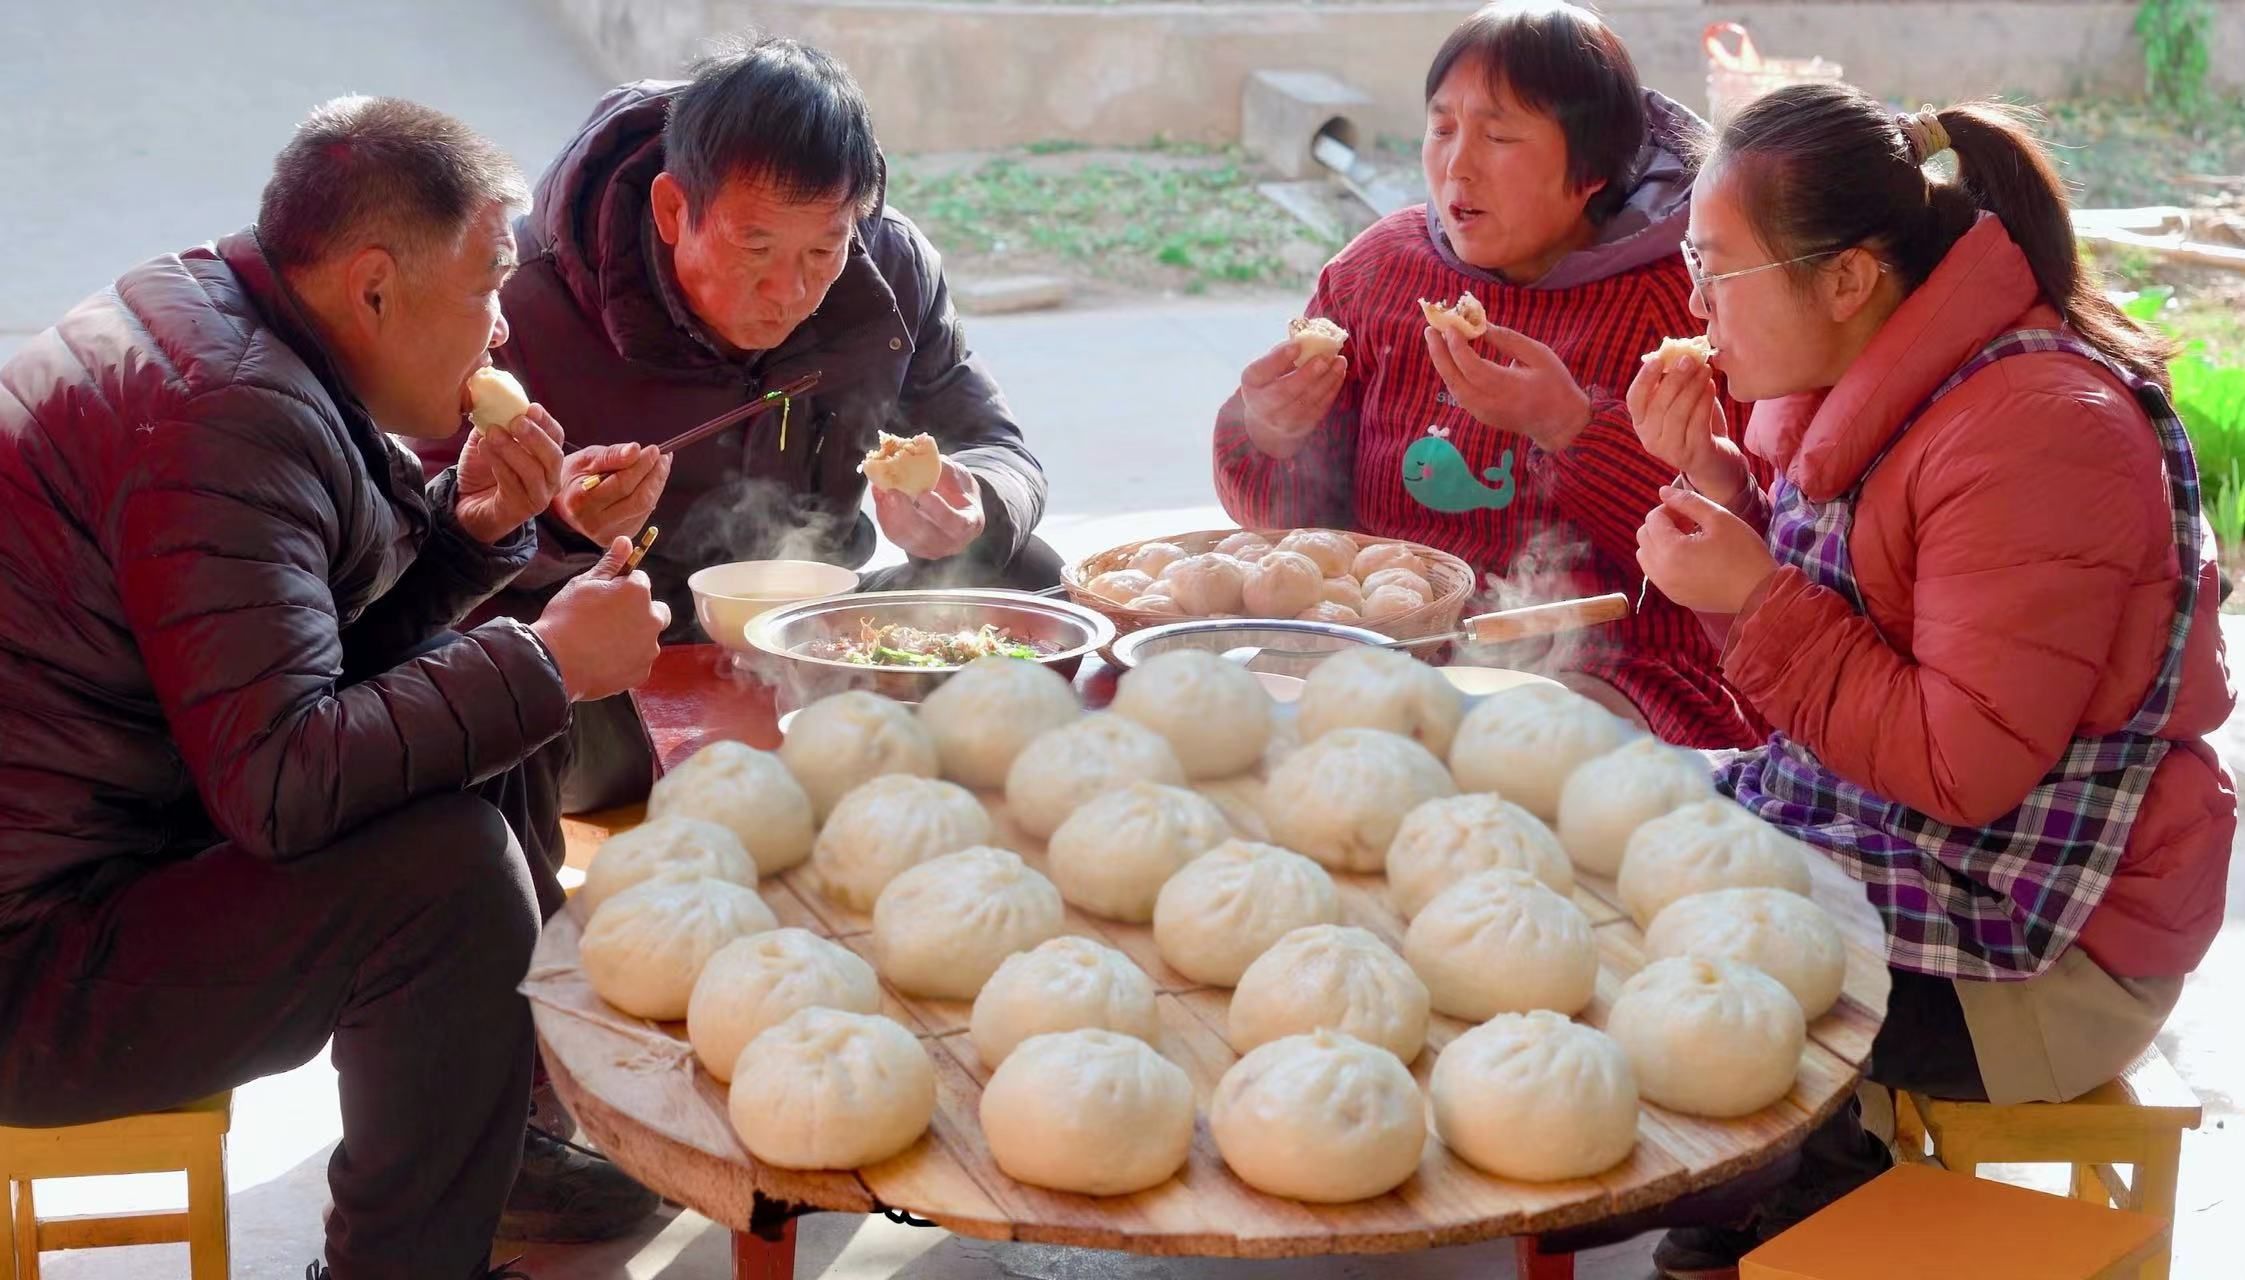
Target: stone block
(1282, 113)
(999, 295)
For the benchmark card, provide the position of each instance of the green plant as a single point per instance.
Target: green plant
(2210, 399)
(1169, 217)
(2175, 52)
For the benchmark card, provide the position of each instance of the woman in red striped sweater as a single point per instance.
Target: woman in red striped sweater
(1558, 201)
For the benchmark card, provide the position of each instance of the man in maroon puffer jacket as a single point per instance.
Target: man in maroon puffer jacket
(698, 244)
(255, 791)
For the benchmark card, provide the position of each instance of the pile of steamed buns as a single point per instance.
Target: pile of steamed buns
(1322, 575)
(1478, 821)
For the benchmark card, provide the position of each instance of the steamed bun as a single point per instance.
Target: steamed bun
(1206, 585)
(1709, 1037)
(1386, 555)
(832, 1090)
(1713, 844)
(1333, 551)
(1414, 583)
(1443, 841)
(1607, 799)
(755, 983)
(1524, 743)
(1214, 714)
(839, 743)
(1328, 611)
(943, 927)
(1113, 855)
(1782, 934)
(1282, 584)
(1344, 591)
(1342, 798)
(1246, 546)
(749, 792)
(664, 849)
(907, 464)
(988, 711)
(1333, 976)
(1322, 1117)
(1153, 558)
(1088, 1111)
(1231, 904)
(1466, 317)
(495, 398)
(1063, 768)
(644, 949)
(888, 826)
(1158, 601)
(1120, 586)
(1064, 984)
(1502, 942)
(1391, 602)
(1370, 688)
(1315, 337)
(1535, 1097)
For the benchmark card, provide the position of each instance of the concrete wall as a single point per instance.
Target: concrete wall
(956, 76)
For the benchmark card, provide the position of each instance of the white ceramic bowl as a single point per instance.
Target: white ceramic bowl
(727, 597)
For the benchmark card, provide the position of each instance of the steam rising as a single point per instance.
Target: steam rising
(1553, 566)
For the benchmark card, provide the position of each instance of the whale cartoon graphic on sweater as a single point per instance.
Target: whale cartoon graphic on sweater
(1439, 478)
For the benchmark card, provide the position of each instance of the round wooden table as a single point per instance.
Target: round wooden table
(638, 1091)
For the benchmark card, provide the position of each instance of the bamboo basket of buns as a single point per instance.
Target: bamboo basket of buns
(1453, 582)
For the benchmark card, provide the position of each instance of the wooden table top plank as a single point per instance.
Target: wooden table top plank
(950, 1176)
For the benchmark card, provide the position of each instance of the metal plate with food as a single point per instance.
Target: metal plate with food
(904, 643)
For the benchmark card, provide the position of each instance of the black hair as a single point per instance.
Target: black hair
(1563, 62)
(773, 111)
(379, 170)
(1826, 167)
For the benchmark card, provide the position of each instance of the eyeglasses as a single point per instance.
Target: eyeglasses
(1703, 284)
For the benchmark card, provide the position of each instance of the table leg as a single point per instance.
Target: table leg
(1530, 1262)
(766, 1251)
(760, 1257)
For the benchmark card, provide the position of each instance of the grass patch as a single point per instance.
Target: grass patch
(2123, 154)
(2208, 306)
(1193, 223)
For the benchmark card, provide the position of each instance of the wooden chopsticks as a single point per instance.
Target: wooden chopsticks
(784, 397)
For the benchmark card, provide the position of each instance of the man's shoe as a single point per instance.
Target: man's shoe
(1704, 1253)
(548, 1116)
(568, 1195)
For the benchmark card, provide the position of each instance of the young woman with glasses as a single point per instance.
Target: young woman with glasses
(1977, 601)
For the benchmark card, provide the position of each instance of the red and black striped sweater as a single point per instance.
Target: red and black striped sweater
(1568, 526)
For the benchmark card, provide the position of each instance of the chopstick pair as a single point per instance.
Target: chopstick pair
(784, 397)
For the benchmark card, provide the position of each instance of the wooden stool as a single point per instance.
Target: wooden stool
(2137, 1120)
(1920, 1222)
(191, 1139)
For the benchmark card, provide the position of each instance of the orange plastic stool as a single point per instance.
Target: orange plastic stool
(1928, 1224)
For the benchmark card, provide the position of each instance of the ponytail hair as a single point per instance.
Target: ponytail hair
(1826, 167)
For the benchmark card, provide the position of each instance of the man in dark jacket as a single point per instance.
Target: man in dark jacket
(697, 244)
(254, 791)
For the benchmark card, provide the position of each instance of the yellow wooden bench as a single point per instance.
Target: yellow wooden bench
(191, 1139)
(1925, 1224)
(2137, 1120)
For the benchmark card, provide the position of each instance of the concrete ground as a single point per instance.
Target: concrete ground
(139, 126)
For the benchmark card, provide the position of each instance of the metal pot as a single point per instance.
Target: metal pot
(777, 639)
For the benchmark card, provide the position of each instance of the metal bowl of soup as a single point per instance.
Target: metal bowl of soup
(905, 643)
